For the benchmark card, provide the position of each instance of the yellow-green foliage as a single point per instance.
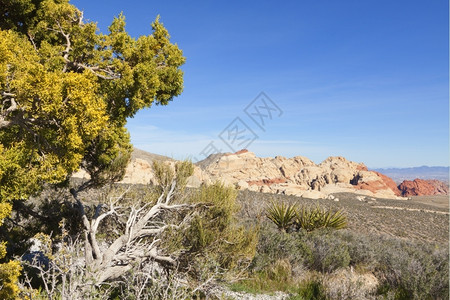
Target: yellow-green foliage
(9, 276)
(166, 174)
(214, 232)
(67, 91)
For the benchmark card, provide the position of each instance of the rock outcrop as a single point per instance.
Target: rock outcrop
(280, 175)
(374, 182)
(421, 187)
(139, 171)
(297, 176)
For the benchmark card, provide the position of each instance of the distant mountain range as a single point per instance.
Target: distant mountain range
(423, 172)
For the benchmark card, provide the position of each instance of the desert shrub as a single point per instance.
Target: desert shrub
(215, 240)
(414, 270)
(280, 271)
(405, 269)
(311, 289)
(274, 245)
(279, 261)
(362, 249)
(349, 284)
(275, 277)
(329, 252)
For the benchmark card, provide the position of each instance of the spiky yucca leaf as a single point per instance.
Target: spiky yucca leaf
(336, 220)
(311, 218)
(282, 214)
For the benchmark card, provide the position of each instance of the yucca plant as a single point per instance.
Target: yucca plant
(282, 214)
(311, 218)
(336, 220)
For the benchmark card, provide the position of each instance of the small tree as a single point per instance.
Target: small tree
(67, 91)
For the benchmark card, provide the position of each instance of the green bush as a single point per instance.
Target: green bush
(406, 269)
(215, 240)
(329, 252)
(414, 270)
(311, 290)
(274, 245)
(275, 277)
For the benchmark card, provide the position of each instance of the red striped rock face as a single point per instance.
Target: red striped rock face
(420, 187)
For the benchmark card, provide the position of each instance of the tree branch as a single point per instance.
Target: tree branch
(6, 112)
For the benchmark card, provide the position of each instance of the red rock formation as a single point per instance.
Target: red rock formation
(361, 167)
(241, 151)
(421, 187)
(382, 182)
(390, 183)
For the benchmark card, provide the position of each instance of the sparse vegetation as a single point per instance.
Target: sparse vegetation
(169, 242)
(348, 263)
(226, 242)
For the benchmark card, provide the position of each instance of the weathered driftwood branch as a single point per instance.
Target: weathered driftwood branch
(129, 248)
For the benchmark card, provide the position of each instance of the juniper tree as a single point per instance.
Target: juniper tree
(67, 90)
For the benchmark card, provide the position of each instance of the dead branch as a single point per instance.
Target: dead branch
(139, 241)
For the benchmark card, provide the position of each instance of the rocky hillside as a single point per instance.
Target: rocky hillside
(297, 176)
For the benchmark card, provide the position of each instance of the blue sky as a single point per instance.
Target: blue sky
(367, 80)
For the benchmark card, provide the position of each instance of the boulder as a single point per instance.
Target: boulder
(314, 195)
(139, 171)
(193, 182)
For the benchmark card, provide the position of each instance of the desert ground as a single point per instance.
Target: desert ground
(423, 218)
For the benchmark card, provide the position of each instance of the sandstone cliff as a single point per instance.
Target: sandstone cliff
(280, 175)
(421, 187)
(297, 175)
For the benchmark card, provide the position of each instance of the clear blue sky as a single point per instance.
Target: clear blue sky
(368, 80)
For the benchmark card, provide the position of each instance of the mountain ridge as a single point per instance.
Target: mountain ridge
(422, 172)
(297, 175)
